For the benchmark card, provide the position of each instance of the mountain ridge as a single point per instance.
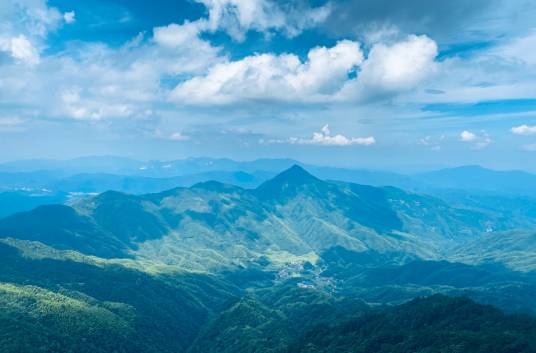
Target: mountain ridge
(217, 267)
(293, 212)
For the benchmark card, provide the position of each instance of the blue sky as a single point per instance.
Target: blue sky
(399, 85)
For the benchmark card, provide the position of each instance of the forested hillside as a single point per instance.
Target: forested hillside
(296, 265)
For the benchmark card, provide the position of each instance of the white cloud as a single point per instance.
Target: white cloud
(432, 142)
(325, 138)
(323, 77)
(179, 49)
(23, 50)
(524, 130)
(178, 136)
(515, 51)
(280, 77)
(92, 109)
(24, 26)
(33, 18)
(484, 141)
(467, 136)
(97, 82)
(20, 49)
(504, 71)
(238, 16)
(479, 141)
(399, 66)
(69, 17)
(175, 35)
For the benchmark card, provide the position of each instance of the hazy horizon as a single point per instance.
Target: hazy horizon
(403, 169)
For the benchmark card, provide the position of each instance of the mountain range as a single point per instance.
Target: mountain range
(38, 173)
(296, 263)
(38, 182)
(292, 213)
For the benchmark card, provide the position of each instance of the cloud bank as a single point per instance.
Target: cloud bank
(325, 138)
(324, 77)
(524, 130)
(478, 141)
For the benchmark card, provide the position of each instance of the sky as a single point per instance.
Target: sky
(397, 85)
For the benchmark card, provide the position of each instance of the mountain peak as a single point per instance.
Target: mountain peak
(297, 174)
(294, 175)
(287, 181)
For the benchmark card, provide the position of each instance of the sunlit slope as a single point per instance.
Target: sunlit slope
(63, 302)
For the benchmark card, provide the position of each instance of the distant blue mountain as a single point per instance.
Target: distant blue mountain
(476, 178)
(466, 186)
(465, 177)
(19, 201)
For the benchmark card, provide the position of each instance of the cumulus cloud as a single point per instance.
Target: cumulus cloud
(69, 17)
(524, 130)
(95, 82)
(33, 18)
(467, 136)
(478, 141)
(280, 77)
(174, 35)
(92, 107)
(180, 50)
(325, 138)
(399, 66)
(20, 48)
(24, 26)
(323, 77)
(236, 17)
